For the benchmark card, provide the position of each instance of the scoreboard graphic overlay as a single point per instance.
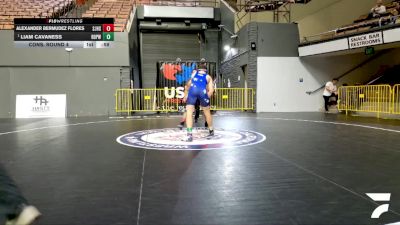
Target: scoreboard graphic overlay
(64, 33)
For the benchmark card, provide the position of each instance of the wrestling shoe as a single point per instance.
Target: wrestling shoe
(189, 138)
(181, 125)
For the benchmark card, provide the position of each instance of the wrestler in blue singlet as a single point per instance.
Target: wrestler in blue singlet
(198, 89)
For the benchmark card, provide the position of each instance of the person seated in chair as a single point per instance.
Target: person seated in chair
(395, 13)
(378, 10)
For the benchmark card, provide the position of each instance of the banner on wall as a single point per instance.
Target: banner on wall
(41, 106)
(176, 74)
(172, 77)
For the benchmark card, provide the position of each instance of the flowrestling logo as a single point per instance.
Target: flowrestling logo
(381, 209)
(173, 139)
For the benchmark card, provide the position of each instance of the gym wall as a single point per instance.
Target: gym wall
(280, 78)
(89, 77)
(272, 40)
(89, 90)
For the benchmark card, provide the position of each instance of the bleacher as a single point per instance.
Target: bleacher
(268, 5)
(362, 24)
(179, 3)
(121, 9)
(118, 9)
(10, 9)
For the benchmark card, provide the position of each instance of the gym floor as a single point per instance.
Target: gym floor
(312, 168)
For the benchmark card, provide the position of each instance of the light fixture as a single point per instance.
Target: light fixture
(222, 27)
(227, 47)
(69, 49)
(187, 22)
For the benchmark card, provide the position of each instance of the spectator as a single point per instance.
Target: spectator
(378, 10)
(330, 91)
(395, 12)
(80, 2)
(14, 208)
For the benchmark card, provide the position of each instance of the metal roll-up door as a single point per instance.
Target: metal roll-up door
(165, 47)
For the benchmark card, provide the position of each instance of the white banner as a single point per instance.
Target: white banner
(392, 35)
(366, 40)
(41, 106)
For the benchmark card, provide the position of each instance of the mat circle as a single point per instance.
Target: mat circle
(173, 139)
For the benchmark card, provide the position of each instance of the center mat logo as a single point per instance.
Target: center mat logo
(173, 139)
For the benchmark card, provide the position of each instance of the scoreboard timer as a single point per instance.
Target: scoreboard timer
(64, 33)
